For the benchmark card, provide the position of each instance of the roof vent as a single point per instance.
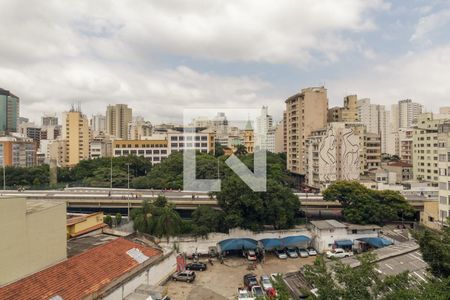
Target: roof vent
(137, 255)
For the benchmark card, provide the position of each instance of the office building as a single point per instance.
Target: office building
(33, 237)
(9, 112)
(154, 150)
(444, 170)
(198, 139)
(305, 112)
(76, 135)
(117, 118)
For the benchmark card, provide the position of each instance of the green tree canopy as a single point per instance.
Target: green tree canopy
(361, 205)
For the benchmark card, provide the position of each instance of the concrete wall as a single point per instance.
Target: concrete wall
(31, 241)
(325, 239)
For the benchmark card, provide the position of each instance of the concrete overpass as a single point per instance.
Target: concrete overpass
(94, 199)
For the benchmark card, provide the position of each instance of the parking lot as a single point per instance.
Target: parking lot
(221, 281)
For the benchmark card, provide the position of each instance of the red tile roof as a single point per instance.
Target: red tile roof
(81, 275)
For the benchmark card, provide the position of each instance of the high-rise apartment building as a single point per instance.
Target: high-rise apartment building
(264, 124)
(76, 135)
(444, 110)
(405, 144)
(117, 118)
(425, 148)
(444, 170)
(348, 113)
(9, 111)
(280, 142)
(377, 121)
(98, 123)
(407, 112)
(332, 154)
(305, 112)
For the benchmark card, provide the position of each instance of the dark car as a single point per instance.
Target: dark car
(250, 280)
(186, 276)
(197, 266)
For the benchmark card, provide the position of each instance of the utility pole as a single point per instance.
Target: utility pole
(110, 176)
(128, 188)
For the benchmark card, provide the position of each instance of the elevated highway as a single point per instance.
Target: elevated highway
(95, 199)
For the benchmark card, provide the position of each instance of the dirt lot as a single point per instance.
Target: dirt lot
(221, 281)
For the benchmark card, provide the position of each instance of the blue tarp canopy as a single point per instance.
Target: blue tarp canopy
(343, 243)
(376, 242)
(270, 244)
(295, 240)
(238, 244)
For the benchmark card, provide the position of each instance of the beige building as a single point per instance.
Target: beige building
(444, 110)
(139, 128)
(280, 144)
(348, 113)
(117, 118)
(405, 144)
(248, 137)
(425, 148)
(305, 112)
(371, 151)
(76, 134)
(332, 154)
(430, 215)
(444, 170)
(33, 236)
(153, 150)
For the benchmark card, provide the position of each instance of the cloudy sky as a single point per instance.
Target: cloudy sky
(163, 56)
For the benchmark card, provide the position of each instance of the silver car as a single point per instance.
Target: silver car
(302, 252)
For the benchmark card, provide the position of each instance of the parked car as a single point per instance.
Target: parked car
(311, 251)
(243, 294)
(265, 282)
(291, 252)
(186, 276)
(197, 266)
(251, 255)
(338, 253)
(302, 252)
(250, 280)
(258, 292)
(281, 254)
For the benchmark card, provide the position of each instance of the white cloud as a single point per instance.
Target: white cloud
(422, 76)
(428, 24)
(98, 52)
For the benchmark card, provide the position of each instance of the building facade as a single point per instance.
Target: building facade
(117, 118)
(444, 170)
(305, 112)
(153, 150)
(9, 111)
(17, 152)
(425, 148)
(332, 154)
(348, 113)
(76, 134)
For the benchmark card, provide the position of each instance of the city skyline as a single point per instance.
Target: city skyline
(109, 54)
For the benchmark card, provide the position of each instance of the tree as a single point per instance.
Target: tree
(340, 281)
(218, 150)
(108, 220)
(207, 219)
(435, 248)
(361, 205)
(240, 150)
(160, 201)
(118, 219)
(167, 222)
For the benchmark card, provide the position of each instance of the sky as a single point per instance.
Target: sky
(163, 56)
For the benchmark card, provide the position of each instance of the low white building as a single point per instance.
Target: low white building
(329, 234)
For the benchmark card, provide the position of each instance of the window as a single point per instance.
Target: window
(173, 138)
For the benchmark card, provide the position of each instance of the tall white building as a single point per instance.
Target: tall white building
(264, 123)
(377, 120)
(98, 123)
(407, 112)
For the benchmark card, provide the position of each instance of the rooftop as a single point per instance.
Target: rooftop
(79, 245)
(39, 205)
(85, 275)
(328, 224)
